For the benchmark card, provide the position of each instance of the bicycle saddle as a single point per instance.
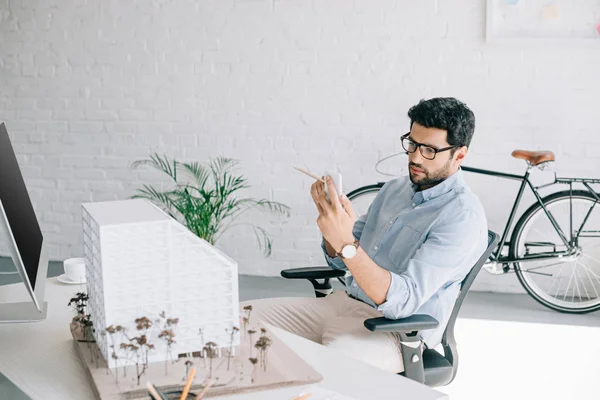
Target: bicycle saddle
(534, 157)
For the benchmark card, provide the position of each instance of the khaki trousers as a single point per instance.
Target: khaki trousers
(335, 321)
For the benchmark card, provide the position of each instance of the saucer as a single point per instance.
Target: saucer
(63, 278)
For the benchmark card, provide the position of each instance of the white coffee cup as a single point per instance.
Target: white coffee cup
(75, 269)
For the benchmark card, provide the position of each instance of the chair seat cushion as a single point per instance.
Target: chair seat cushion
(438, 370)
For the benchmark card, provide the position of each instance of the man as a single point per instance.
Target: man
(407, 255)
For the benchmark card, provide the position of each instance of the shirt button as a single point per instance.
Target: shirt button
(413, 204)
(354, 284)
(375, 248)
(391, 222)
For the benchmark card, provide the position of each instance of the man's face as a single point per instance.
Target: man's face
(428, 173)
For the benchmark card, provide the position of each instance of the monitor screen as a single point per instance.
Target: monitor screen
(18, 208)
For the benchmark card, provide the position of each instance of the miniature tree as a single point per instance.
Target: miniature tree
(84, 323)
(78, 304)
(81, 318)
(188, 365)
(129, 350)
(142, 346)
(111, 331)
(210, 351)
(202, 354)
(167, 334)
(126, 347)
(253, 361)
(248, 310)
(250, 333)
(263, 344)
(89, 338)
(136, 350)
(233, 331)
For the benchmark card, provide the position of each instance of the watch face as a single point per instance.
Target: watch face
(349, 251)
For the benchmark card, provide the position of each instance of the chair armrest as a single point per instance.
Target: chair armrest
(312, 273)
(413, 323)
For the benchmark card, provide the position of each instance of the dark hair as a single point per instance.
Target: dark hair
(448, 114)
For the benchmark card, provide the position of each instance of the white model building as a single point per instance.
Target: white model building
(141, 262)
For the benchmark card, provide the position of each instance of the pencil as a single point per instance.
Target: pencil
(309, 174)
(153, 391)
(206, 387)
(306, 396)
(161, 394)
(186, 388)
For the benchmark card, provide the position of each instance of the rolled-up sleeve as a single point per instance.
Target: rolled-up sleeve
(333, 262)
(452, 247)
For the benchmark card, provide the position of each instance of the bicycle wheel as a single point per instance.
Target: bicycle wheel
(570, 284)
(362, 197)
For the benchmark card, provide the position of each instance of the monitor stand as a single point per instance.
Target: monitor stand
(22, 312)
(36, 308)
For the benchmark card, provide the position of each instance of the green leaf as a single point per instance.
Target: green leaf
(263, 240)
(149, 193)
(208, 203)
(162, 164)
(198, 173)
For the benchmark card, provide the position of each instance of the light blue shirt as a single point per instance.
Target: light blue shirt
(428, 240)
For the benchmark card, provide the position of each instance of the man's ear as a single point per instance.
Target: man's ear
(461, 153)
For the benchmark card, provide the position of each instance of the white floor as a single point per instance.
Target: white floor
(525, 360)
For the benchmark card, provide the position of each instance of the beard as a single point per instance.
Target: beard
(427, 178)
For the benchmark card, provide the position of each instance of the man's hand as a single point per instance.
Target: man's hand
(336, 218)
(336, 222)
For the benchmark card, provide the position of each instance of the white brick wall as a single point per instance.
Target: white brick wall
(86, 88)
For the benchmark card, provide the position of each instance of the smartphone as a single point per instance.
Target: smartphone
(337, 179)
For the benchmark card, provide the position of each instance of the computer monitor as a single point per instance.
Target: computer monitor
(20, 227)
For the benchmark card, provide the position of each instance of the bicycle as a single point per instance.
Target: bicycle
(539, 251)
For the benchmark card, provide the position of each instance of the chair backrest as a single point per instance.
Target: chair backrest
(448, 340)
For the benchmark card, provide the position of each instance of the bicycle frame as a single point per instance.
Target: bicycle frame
(524, 179)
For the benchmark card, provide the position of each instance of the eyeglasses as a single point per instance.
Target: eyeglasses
(427, 152)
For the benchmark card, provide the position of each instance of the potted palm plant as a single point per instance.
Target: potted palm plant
(204, 198)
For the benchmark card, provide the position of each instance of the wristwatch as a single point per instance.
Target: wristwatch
(349, 250)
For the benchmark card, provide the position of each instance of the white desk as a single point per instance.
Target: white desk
(55, 373)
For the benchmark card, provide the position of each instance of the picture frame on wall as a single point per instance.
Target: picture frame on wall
(536, 21)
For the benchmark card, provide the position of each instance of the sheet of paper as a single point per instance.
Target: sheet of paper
(320, 393)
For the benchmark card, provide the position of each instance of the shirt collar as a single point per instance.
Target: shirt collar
(441, 188)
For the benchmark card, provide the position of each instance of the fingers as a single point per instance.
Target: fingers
(348, 207)
(315, 191)
(315, 196)
(318, 195)
(333, 194)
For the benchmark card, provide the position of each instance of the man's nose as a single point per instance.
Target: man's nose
(416, 157)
